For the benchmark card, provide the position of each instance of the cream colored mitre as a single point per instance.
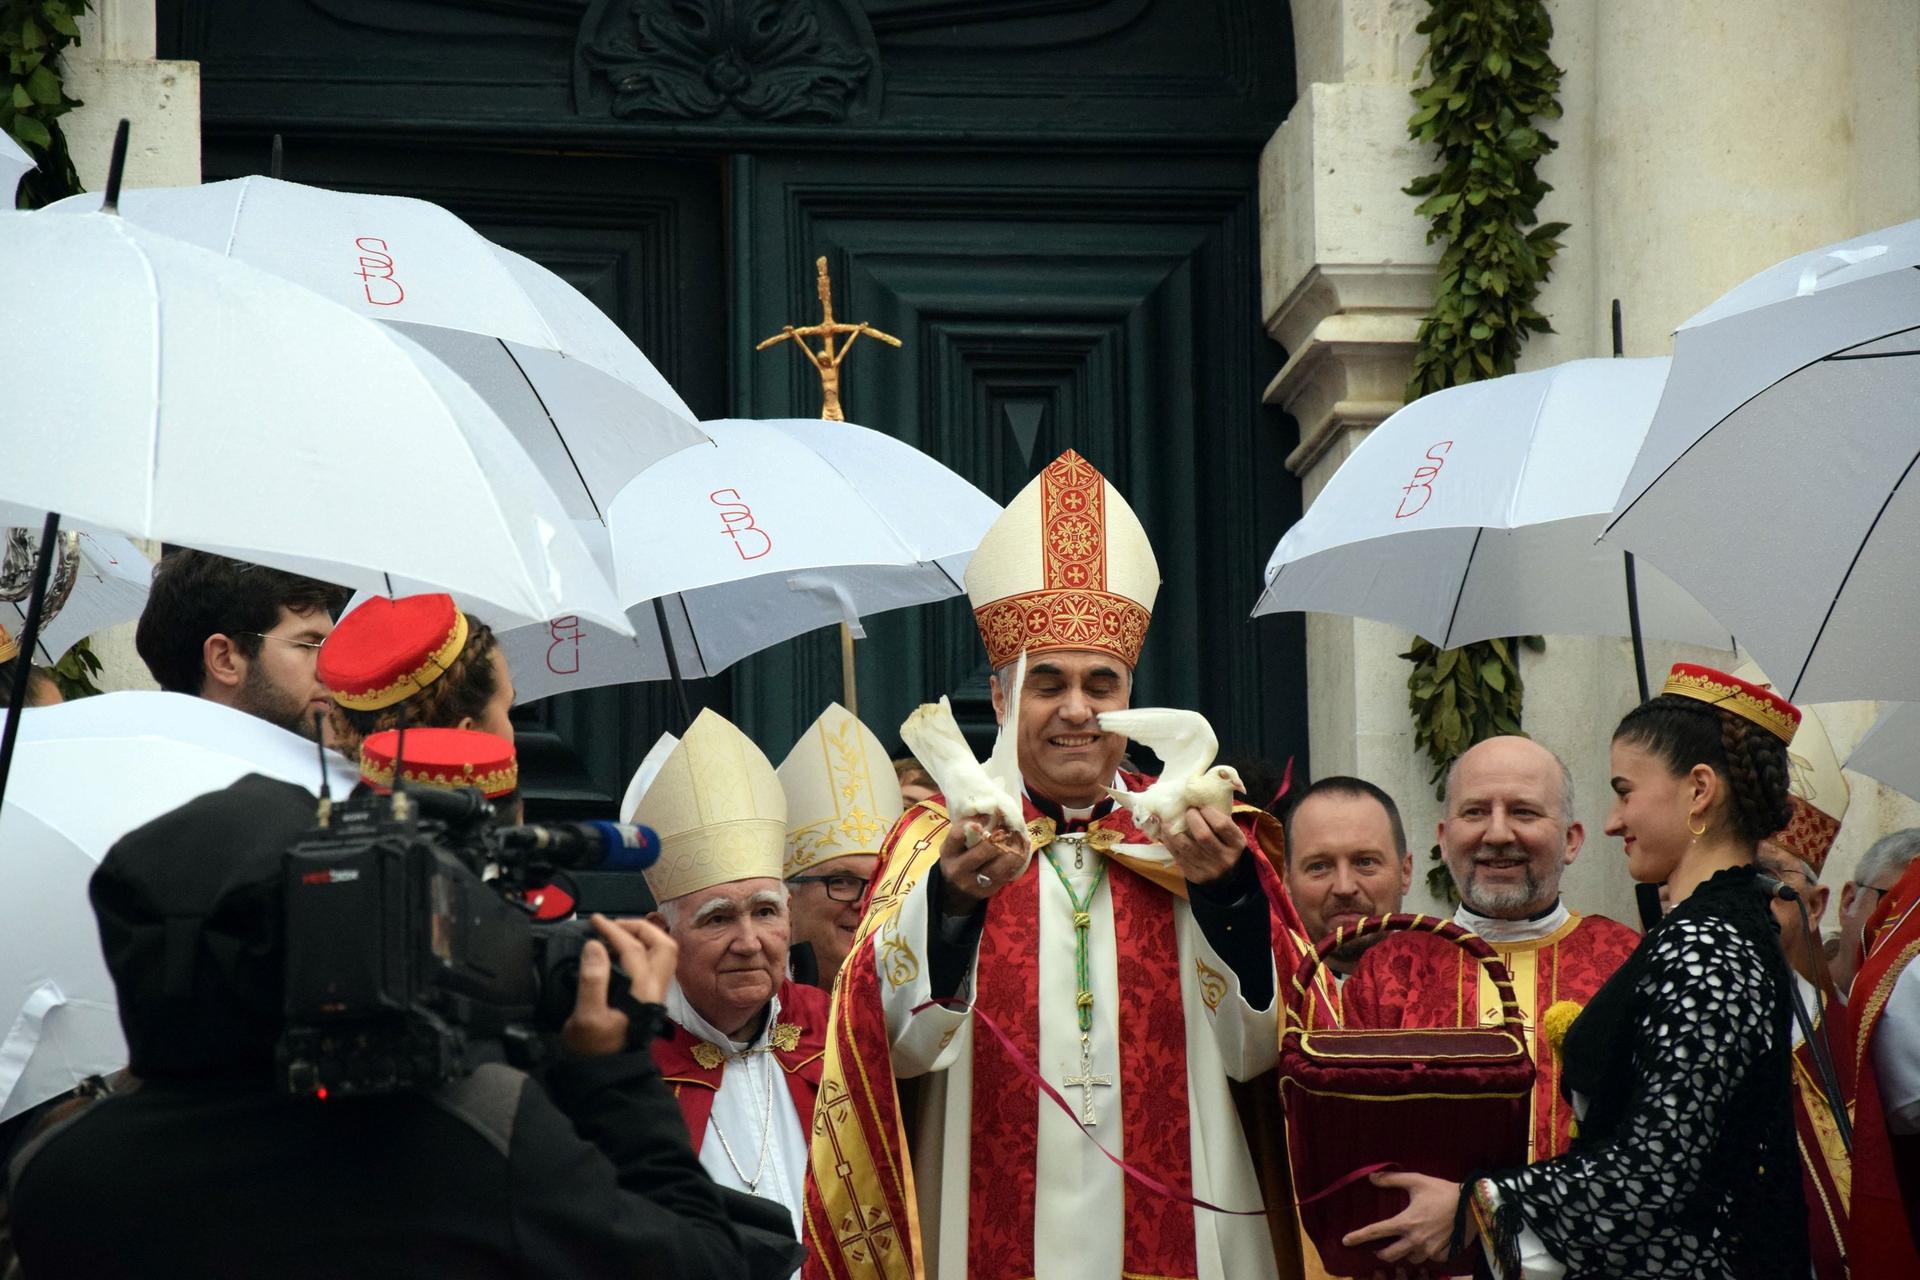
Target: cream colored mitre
(842, 797)
(1066, 566)
(1819, 789)
(718, 809)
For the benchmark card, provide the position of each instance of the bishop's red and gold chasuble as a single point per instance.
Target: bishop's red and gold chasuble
(1416, 980)
(1826, 1168)
(861, 1211)
(1880, 1238)
(693, 1067)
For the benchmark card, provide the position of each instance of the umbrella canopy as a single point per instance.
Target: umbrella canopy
(112, 578)
(1472, 513)
(1775, 484)
(772, 530)
(15, 164)
(86, 773)
(580, 397)
(197, 400)
(1890, 751)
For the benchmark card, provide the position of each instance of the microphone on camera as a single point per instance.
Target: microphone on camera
(1774, 887)
(587, 846)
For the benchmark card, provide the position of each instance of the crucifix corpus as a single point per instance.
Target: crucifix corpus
(826, 361)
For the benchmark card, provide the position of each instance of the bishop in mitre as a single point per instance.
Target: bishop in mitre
(743, 1056)
(1138, 977)
(842, 800)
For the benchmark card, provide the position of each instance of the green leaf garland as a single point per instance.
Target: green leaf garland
(33, 35)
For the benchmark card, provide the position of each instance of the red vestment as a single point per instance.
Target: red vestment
(1880, 1231)
(862, 1215)
(1419, 980)
(695, 1082)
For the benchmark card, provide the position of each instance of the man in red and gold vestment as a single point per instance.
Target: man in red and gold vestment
(1137, 975)
(1508, 835)
(743, 1055)
(1796, 856)
(1883, 1236)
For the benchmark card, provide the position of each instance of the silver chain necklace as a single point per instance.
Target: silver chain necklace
(766, 1130)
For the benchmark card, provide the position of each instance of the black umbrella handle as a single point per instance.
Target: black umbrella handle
(23, 665)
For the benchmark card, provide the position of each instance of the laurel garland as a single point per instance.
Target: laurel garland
(1489, 79)
(33, 35)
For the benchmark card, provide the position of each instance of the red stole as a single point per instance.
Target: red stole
(1826, 1169)
(1879, 1235)
(1418, 980)
(695, 1083)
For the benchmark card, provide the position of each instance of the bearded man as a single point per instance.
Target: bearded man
(1508, 836)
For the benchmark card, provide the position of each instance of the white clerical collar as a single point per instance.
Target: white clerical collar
(1499, 931)
(682, 1012)
(1084, 814)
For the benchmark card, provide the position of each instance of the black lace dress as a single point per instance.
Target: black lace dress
(1686, 1162)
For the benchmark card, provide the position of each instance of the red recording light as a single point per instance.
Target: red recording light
(321, 1093)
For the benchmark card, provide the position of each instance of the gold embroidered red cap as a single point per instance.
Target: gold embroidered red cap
(444, 758)
(386, 650)
(1066, 566)
(1749, 701)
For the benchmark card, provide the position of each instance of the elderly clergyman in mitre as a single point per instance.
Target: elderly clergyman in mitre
(744, 1054)
(842, 799)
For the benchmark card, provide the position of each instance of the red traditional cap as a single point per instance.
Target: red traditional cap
(1749, 701)
(386, 650)
(445, 758)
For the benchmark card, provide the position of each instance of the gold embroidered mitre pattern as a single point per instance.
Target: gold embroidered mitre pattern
(1066, 566)
(842, 798)
(718, 809)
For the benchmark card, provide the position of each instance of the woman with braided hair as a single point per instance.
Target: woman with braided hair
(1680, 1068)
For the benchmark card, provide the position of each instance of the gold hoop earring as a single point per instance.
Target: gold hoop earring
(1702, 831)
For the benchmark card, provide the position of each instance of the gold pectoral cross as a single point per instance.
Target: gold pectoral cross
(1086, 1082)
(827, 359)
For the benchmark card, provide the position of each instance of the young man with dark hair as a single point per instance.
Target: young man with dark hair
(239, 634)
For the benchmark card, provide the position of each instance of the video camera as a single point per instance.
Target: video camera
(411, 954)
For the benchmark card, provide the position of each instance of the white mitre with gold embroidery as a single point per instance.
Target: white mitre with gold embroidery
(1066, 566)
(718, 809)
(842, 797)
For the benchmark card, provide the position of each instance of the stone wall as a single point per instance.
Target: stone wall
(1683, 169)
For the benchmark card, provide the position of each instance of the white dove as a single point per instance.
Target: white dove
(1189, 779)
(971, 789)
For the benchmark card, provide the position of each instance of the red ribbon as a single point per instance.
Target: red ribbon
(1146, 1180)
(1364, 1171)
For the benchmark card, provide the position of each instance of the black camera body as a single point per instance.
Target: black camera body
(411, 955)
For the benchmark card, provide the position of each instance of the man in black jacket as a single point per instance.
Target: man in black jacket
(207, 1170)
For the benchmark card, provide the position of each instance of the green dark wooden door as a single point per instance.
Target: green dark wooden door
(1053, 202)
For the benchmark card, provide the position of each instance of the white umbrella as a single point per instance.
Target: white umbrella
(774, 529)
(112, 579)
(15, 164)
(577, 393)
(1472, 513)
(1891, 749)
(202, 402)
(1773, 484)
(86, 773)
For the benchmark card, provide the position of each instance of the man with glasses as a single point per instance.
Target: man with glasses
(1881, 867)
(239, 634)
(842, 799)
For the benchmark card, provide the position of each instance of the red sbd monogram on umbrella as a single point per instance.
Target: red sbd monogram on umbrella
(376, 272)
(737, 523)
(1415, 496)
(563, 655)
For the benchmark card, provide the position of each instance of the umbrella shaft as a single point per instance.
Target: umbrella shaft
(23, 666)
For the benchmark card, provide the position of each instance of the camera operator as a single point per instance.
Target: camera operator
(207, 1169)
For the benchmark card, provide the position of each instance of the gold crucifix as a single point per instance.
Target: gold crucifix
(827, 360)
